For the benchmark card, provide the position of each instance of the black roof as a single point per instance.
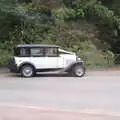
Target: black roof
(36, 45)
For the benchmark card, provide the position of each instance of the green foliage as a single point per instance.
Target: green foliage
(85, 3)
(76, 25)
(107, 22)
(64, 14)
(113, 5)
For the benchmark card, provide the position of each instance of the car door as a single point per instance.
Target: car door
(51, 58)
(38, 57)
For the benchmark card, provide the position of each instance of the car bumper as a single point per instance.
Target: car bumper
(13, 68)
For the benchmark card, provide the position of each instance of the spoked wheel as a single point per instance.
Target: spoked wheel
(27, 71)
(78, 71)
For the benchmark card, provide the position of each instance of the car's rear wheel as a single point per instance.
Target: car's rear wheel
(78, 70)
(27, 71)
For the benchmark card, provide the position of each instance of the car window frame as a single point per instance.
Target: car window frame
(52, 48)
(37, 55)
(19, 52)
(30, 55)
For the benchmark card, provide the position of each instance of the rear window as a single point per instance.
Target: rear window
(25, 52)
(22, 52)
(16, 52)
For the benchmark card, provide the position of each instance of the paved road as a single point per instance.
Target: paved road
(96, 91)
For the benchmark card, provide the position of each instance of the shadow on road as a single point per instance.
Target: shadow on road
(42, 75)
(5, 72)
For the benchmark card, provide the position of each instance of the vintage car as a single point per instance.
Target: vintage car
(29, 59)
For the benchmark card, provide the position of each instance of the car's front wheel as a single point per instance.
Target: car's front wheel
(27, 71)
(78, 71)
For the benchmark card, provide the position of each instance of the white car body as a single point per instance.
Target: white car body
(62, 61)
(43, 57)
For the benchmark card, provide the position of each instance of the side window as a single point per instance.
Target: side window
(24, 52)
(37, 52)
(51, 52)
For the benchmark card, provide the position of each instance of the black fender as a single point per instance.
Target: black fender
(71, 66)
(26, 63)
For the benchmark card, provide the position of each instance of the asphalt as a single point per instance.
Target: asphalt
(27, 113)
(55, 97)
